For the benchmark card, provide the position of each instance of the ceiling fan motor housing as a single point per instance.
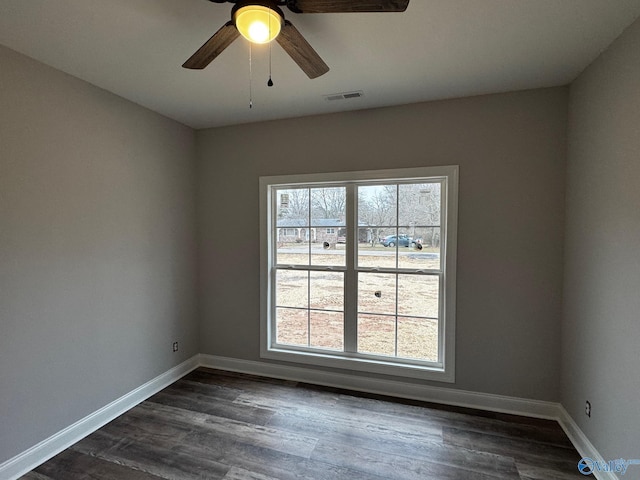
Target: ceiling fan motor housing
(272, 5)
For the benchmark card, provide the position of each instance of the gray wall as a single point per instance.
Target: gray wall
(511, 151)
(97, 234)
(601, 329)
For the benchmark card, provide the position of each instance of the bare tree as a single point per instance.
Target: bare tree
(377, 210)
(419, 204)
(294, 204)
(328, 202)
(419, 211)
(414, 208)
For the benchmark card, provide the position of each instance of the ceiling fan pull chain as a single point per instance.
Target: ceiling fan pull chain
(250, 80)
(270, 82)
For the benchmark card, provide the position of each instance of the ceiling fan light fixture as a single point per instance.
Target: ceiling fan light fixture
(261, 21)
(258, 23)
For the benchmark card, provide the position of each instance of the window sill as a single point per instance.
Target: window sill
(360, 364)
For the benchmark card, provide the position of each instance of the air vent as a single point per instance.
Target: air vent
(343, 96)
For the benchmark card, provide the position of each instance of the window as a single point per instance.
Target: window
(369, 284)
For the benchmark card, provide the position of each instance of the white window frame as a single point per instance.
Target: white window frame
(444, 369)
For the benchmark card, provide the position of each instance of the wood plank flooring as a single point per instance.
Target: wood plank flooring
(220, 425)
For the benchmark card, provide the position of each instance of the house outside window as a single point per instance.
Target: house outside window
(370, 286)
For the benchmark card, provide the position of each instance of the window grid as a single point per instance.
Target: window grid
(352, 268)
(397, 270)
(351, 295)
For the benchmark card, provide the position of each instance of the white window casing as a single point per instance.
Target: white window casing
(442, 369)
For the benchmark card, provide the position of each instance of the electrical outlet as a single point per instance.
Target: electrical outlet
(587, 409)
(175, 346)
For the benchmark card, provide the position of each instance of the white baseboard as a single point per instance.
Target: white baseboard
(48, 448)
(394, 388)
(43, 451)
(584, 447)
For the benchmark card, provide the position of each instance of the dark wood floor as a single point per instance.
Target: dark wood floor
(219, 425)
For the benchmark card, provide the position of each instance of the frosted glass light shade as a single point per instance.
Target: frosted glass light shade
(258, 24)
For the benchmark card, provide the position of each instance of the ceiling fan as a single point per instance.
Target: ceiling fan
(261, 21)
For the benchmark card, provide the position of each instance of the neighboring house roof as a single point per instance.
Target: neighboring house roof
(315, 222)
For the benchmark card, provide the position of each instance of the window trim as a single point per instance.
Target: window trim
(445, 372)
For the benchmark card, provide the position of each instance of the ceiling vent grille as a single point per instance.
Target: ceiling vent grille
(343, 96)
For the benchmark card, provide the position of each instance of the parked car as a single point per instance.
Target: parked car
(400, 240)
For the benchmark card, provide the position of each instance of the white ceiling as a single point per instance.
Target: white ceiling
(436, 49)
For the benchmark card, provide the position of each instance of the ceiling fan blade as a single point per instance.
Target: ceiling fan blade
(346, 6)
(213, 47)
(292, 41)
